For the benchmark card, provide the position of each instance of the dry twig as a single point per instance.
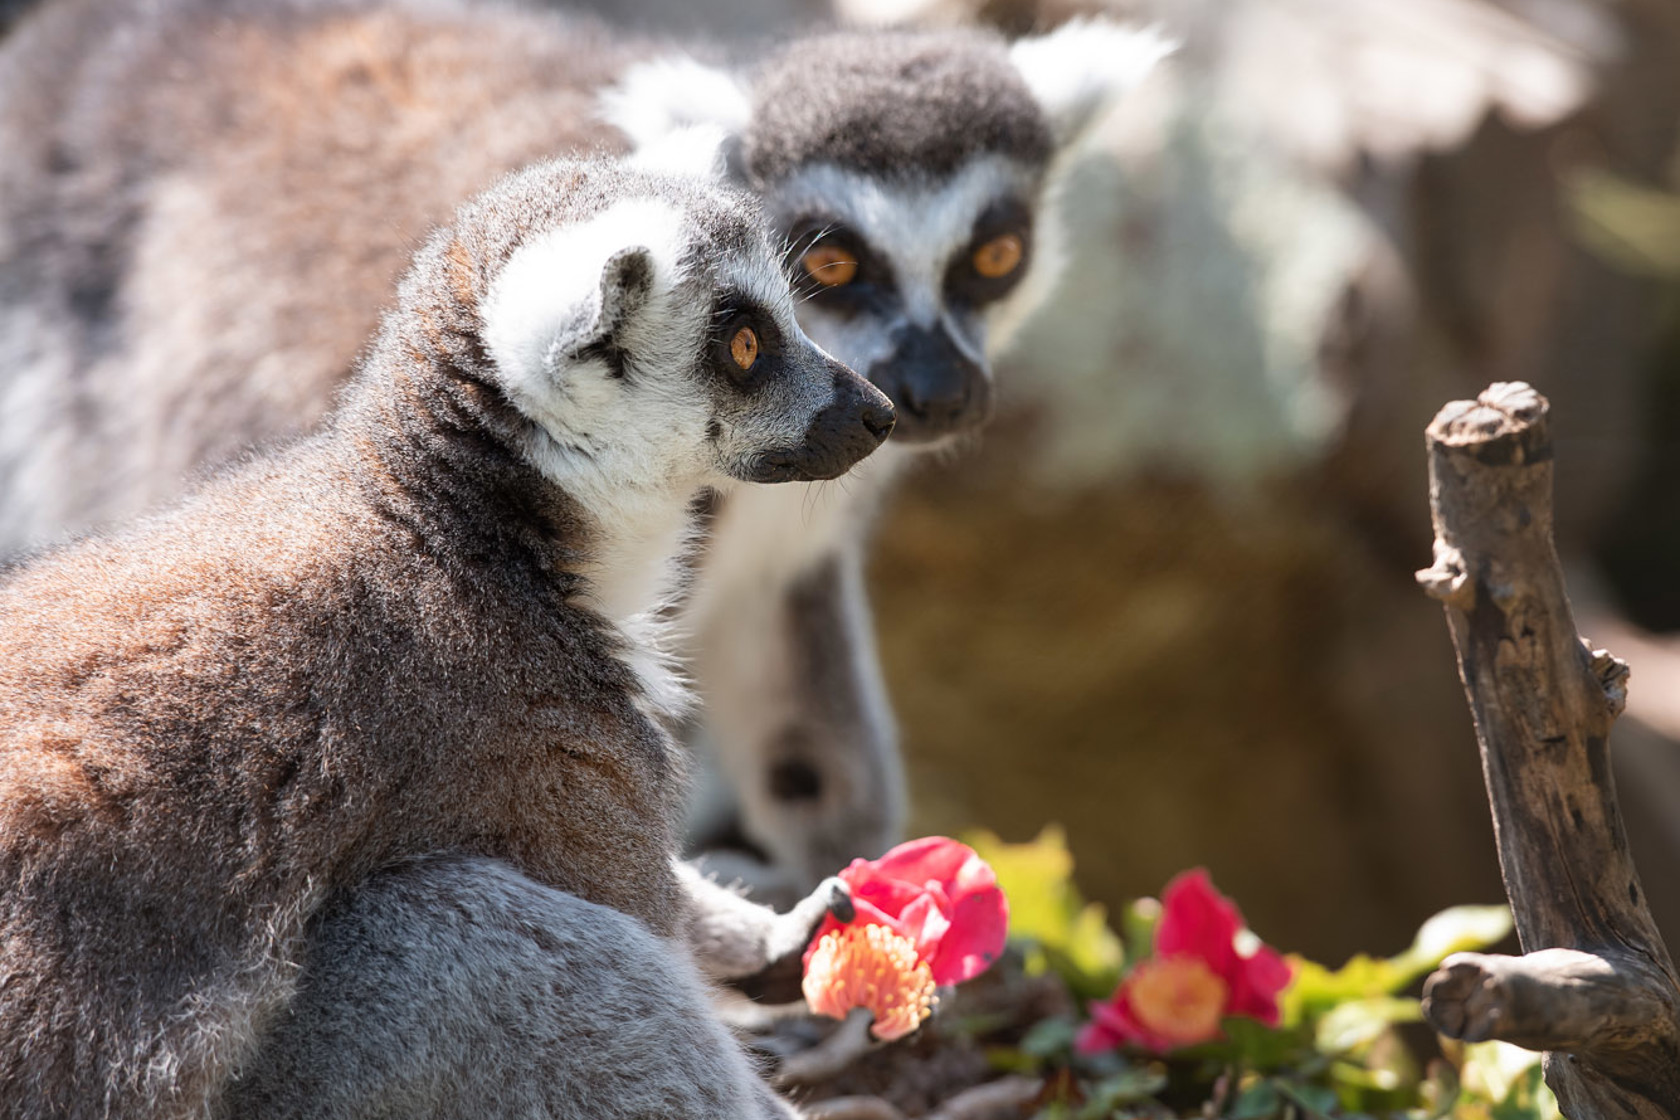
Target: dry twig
(849, 1042)
(1597, 989)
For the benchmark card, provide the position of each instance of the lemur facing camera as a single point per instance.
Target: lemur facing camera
(202, 206)
(387, 705)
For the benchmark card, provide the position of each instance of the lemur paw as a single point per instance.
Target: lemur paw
(779, 980)
(832, 897)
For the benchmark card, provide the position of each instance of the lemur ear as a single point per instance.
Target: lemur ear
(625, 285)
(655, 99)
(1084, 65)
(697, 150)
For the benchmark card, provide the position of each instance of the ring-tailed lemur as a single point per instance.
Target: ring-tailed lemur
(429, 632)
(202, 204)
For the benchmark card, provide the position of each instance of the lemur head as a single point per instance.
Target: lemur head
(906, 170)
(641, 326)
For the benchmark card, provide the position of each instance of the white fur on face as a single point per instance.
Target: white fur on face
(660, 96)
(633, 450)
(601, 432)
(630, 449)
(858, 341)
(916, 228)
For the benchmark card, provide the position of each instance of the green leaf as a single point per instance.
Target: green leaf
(1050, 1038)
(1529, 1099)
(1257, 1102)
(1130, 1086)
(1047, 911)
(1315, 990)
(1259, 1047)
(1316, 1101)
(1457, 930)
(1440, 1090)
(1137, 927)
(1007, 1059)
(1634, 227)
(1363, 1079)
(1509, 1079)
(1352, 1027)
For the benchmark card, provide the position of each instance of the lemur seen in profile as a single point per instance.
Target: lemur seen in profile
(203, 203)
(342, 787)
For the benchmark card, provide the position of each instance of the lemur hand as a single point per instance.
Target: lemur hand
(779, 980)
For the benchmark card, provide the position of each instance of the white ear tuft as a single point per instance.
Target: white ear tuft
(697, 150)
(1080, 67)
(577, 287)
(656, 98)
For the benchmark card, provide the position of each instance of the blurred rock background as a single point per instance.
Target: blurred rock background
(1167, 599)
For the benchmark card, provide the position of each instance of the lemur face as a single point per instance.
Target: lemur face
(905, 171)
(900, 275)
(655, 339)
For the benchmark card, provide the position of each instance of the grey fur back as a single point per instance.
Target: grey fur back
(454, 987)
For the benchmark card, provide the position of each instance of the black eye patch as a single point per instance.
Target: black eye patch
(836, 269)
(746, 346)
(996, 257)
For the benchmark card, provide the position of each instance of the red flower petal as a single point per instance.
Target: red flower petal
(1198, 921)
(1115, 1023)
(925, 924)
(938, 893)
(890, 895)
(938, 858)
(1109, 1028)
(979, 927)
(1257, 981)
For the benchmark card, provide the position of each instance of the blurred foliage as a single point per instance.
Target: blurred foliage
(1317, 991)
(1633, 227)
(1337, 1051)
(1061, 931)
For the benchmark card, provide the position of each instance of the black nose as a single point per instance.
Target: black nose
(857, 419)
(937, 388)
(856, 422)
(878, 417)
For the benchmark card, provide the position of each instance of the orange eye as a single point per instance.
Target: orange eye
(744, 347)
(1000, 256)
(830, 265)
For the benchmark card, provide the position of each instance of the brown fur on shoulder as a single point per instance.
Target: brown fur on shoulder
(363, 648)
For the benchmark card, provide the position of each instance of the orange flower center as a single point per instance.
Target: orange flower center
(1179, 999)
(870, 966)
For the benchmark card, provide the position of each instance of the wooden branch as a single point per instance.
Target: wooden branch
(852, 1108)
(1597, 989)
(824, 1061)
(1007, 1098)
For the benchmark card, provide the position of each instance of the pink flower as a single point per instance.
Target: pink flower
(873, 967)
(1197, 976)
(941, 903)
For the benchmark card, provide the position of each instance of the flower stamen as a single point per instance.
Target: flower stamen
(870, 966)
